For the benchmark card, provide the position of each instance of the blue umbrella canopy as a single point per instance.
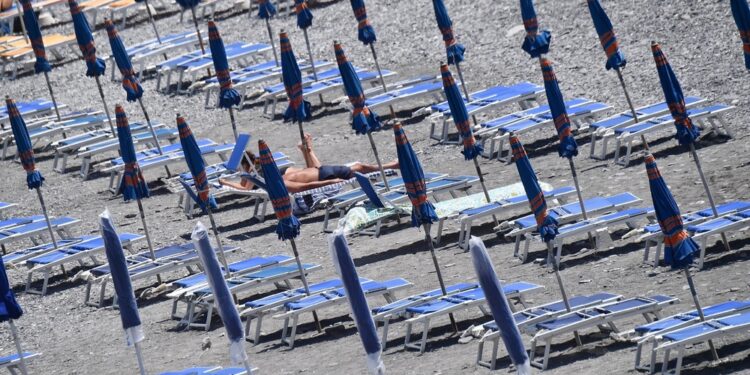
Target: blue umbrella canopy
(535, 43)
(460, 116)
(94, 66)
(35, 36)
(196, 164)
(187, 4)
(741, 13)
(364, 120)
(687, 133)
(368, 333)
(222, 297)
(299, 109)
(453, 49)
(24, 146)
(607, 37)
(131, 320)
(546, 225)
(423, 211)
(266, 9)
(288, 226)
(304, 15)
(9, 307)
(679, 248)
(567, 147)
(129, 78)
(501, 312)
(228, 96)
(365, 32)
(133, 185)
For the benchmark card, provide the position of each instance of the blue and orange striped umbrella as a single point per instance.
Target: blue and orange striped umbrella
(24, 146)
(460, 116)
(94, 66)
(453, 49)
(364, 120)
(228, 96)
(35, 36)
(365, 32)
(741, 13)
(130, 82)
(288, 226)
(546, 225)
(196, 164)
(568, 147)
(535, 43)
(304, 15)
(299, 110)
(133, 185)
(602, 24)
(266, 9)
(10, 310)
(687, 132)
(423, 212)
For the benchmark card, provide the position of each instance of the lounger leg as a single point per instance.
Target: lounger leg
(517, 246)
(665, 363)
(45, 282)
(425, 330)
(386, 324)
(293, 334)
(495, 347)
(209, 316)
(102, 290)
(258, 324)
(680, 355)
(657, 253)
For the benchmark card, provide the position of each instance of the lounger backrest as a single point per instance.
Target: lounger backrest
(238, 152)
(369, 190)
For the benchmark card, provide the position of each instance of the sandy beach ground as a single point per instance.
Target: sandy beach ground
(699, 38)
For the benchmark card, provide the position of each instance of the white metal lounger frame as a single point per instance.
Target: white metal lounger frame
(703, 237)
(36, 235)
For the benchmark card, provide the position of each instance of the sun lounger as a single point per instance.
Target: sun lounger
(18, 59)
(204, 10)
(194, 68)
(140, 53)
(691, 336)
(411, 92)
(20, 256)
(167, 67)
(89, 122)
(528, 318)
(650, 333)
(217, 370)
(729, 223)
(524, 94)
(37, 230)
(603, 130)
(30, 109)
(653, 236)
(12, 362)
(327, 299)
(710, 118)
(119, 9)
(91, 9)
(74, 253)
(568, 213)
(423, 314)
(595, 317)
(5, 206)
(19, 221)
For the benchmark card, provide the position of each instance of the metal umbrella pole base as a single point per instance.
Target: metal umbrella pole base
(139, 358)
(585, 215)
(555, 267)
(431, 247)
(146, 233)
(46, 217)
(17, 342)
(377, 159)
(218, 240)
(273, 44)
(151, 19)
(303, 277)
(484, 187)
(106, 108)
(698, 308)
(234, 122)
(153, 133)
(200, 37)
(708, 192)
(52, 96)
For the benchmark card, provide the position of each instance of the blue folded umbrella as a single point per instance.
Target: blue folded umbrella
(299, 109)
(602, 24)
(535, 43)
(365, 32)
(187, 4)
(687, 132)
(364, 120)
(24, 146)
(9, 307)
(266, 9)
(133, 185)
(460, 116)
(546, 224)
(454, 50)
(288, 226)
(196, 164)
(304, 15)
(228, 96)
(423, 211)
(94, 66)
(130, 82)
(35, 36)
(741, 13)
(567, 147)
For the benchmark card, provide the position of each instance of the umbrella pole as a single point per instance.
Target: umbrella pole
(630, 104)
(17, 341)
(551, 258)
(52, 95)
(302, 136)
(698, 307)
(153, 133)
(234, 123)
(145, 231)
(218, 240)
(200, 38)
(484, 187)
(139, 357)
(708, 192)
(273, 44)
(303, 277)
(580, 197)
(151, 19)
(466, 91)
(309, 53)
(23, 24)
(46, 217)
(377, 159)
(248, 368)
(431, 247)
(382, 80)
(104, 102)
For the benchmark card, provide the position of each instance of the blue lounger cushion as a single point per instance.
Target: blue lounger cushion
(556, 307)
(468, 296)
(87, 245)
(368, 287)
(405, 92)
(20, 221)
(596, 311)
(35, 226)
(721, 308)
(14, 357)
(190, 371)
(282, 296)
(397, 305)
(240, 266)
(709, 326)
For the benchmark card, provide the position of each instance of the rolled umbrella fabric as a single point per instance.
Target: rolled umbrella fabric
(546, 225)
(131, 320)
(679, 248)
(687, 132)
(741, 13)
(460, 116)
(567, 147)
(197, 166)
(129, 78)
(288, 226)
(304, 15)
(535, 43)
(299, 110)
(222, 297)
(608, 39)
(35, 36)
(365, 32)
(133, 185)
(9, 307)
(368, 333)
(364, 120)
(411, 171)
(228, 96)
(266, 9)
(454, 50)
(24, 146)
(501, 311)
(94, 66)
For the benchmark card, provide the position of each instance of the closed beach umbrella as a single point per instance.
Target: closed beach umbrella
(741, 13)
(608, 39)
(10, 310)
(222, 297)
(501, 312)
(304, 21)
(131, 320)
(368, 333)
(228, 96)
(454, 50)
(191, 4)
(37, 44)
(535, 43)
(365, 32)
(299, 109)
(266, 10)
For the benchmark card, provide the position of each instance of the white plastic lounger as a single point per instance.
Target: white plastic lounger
(77, 252)
(167, 67)
(20, 256)
(19, 221)
(12, 362)
(244, 53)
(730, 223)
(89, 122)
(527, 318)
(326, 299)
(140, 53)
(37, 230)
(30, 109)
(398, 95)
(218, 370)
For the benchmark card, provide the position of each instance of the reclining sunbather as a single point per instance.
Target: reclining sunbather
(315, 174)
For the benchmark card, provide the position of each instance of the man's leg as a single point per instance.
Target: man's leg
(369, 168)
(311, 160)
